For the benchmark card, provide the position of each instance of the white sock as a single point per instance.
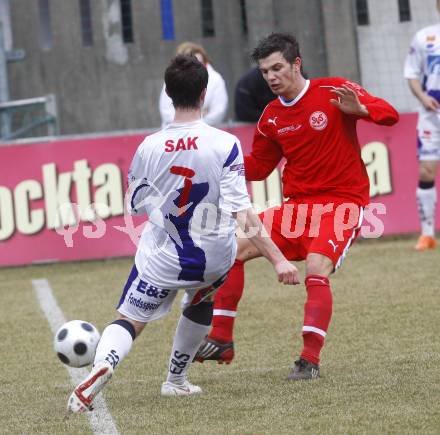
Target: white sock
(114, 345)
(187, 340)
(426, 202)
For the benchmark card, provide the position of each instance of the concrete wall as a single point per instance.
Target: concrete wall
(116, 86)
(383, 45)
(305, 21)
(325, 29)
(340, 38)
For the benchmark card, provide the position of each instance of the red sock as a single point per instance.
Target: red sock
(225, 304)
(317, 315)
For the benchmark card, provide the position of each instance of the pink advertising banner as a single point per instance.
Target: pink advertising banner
(63, 199)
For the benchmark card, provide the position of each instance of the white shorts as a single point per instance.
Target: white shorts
(428, 136)
(145, 302)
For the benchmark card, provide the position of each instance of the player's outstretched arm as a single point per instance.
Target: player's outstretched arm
(252, 226)
(356, 101)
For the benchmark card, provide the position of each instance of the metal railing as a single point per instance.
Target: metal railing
(31, 117)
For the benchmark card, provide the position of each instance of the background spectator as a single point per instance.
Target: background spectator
(216, 100)
(252, 94)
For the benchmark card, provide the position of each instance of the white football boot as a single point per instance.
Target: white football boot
(185, 389)
(82, 397)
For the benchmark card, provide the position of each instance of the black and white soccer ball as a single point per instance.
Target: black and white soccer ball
(75, 343)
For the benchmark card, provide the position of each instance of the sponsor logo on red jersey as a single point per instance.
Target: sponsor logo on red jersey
(273, 120)
(289, 128)
(318, 120)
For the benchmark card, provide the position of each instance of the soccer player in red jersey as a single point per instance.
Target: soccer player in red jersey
(312, 125)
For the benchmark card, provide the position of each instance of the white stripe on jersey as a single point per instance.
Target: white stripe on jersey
(350, 240)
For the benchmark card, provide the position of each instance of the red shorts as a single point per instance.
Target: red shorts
(302, 228)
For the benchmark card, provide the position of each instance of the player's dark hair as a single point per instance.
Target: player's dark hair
(185, 79)
(283, 42)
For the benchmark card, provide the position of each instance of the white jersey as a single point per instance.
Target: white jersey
(423, 60)
(423, 63)
(188, 178)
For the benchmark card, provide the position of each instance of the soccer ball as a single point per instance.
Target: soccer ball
(75, 343)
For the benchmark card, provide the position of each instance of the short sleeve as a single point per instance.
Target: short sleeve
(413, 68)
(233, 192)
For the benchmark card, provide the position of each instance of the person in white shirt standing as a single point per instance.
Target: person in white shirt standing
(216, 100)
(422, 70)
(189, 179)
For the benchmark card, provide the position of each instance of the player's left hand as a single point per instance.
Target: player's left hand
(287, 272)
(348, 101)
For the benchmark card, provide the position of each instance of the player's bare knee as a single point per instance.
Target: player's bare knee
(427, 171)
(317, 264)
(426, 175)
(246, 250)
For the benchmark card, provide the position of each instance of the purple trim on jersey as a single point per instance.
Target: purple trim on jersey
(232, 156)
(433, 64)
(133, 275)
(435, 94)
(192, 259)
(419, 146)
(433, 61)
(283, 100)
(135, 193)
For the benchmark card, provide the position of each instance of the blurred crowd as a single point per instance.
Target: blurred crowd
(251, 95)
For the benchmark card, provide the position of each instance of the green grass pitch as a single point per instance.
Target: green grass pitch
(380, 366)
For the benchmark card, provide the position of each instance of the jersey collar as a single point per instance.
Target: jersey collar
(184, 124)
(297, 98)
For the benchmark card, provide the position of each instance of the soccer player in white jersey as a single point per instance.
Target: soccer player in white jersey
(189, 179)
(422, 69)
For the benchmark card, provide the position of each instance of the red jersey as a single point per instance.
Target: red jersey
(319, 143)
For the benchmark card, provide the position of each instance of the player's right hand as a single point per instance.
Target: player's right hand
(430, 103)
(287, 272)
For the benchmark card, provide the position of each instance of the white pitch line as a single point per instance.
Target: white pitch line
(100, 419)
